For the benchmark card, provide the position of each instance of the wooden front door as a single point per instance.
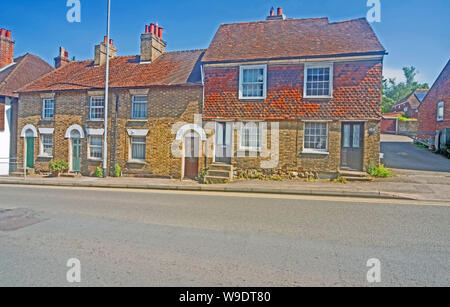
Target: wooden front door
(191, 156)
(76, 155)
(224, 142)
(352, 146)
(30, 152)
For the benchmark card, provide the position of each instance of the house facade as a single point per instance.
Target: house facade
(434, 111)
(14, 73)
(61, 115)
(295, 94)
(410, 105)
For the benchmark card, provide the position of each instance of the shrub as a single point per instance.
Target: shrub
(203, 173)
(117, 171)
(58, 166)
(99, 172)
(380, 171)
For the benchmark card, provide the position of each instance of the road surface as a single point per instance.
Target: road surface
(400, 152)
(151, 238)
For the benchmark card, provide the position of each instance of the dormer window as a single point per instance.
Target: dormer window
(318, 81)
(253, 82)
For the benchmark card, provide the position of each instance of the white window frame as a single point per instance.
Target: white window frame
(316, 151)
(131, 159)
(241, 137)
(440, 106)
(305, 81)
(41, 147)
(241, 80)
(44, 101)
(133, 103)
(96, 107)
(90, 146)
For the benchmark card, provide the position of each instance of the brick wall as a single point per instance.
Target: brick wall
(166, 106)
(428, 109)
(357, 93)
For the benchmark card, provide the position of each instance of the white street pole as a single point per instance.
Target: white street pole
(105, 141)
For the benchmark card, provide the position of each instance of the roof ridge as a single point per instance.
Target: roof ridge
(264, 21)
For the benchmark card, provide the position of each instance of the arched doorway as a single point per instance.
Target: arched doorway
(29, 133)
(75, 142)
(192, 143)
(75, 133)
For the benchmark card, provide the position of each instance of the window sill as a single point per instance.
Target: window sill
(44, 157)
(316, 152)
(95, 120)
(140, 162)
(138, 120)
(252, 98)
(318, 97)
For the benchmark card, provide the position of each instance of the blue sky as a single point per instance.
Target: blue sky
(415, 32)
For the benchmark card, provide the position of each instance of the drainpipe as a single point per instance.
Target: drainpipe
(114, 145)
(203, 101)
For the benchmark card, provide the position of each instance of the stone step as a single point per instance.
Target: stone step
(357, 179)
(345, 173)
(219, 173)
(16, 174)
(216, 179)
(220, 167)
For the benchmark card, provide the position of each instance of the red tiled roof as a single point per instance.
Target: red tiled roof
(172, 68)
(292, 38)
(26, 69)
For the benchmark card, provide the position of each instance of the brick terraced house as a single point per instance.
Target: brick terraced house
(434, 111)
(410, 105)
(14, 74)
(318, 82)
(61, 115)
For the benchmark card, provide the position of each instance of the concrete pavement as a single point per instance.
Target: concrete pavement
(160, 238)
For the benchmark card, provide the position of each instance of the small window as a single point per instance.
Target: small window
(97, 108)
(46, 145)
(139, 107)
(138, 145)
(250, 136)
(318, 81)
(316, 137)
(48, 109)
(96, 147)
(440, 111)
(253, 82)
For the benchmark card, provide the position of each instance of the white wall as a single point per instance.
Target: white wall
(5, 140)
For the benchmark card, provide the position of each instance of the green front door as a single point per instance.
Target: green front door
(76, 155)
(30, 152)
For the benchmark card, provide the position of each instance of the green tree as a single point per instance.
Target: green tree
(393, 92)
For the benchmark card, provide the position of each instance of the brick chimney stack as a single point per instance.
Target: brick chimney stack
(62, 59)
(152, 44)
(6, 48)
(278, 16)
(100, 52)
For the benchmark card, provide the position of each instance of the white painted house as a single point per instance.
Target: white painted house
(14, 74)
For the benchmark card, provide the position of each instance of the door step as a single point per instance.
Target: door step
(355, 176)
(219, 173)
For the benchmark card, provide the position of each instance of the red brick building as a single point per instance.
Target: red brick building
(318, 82)
(410, 104)
(434, 111)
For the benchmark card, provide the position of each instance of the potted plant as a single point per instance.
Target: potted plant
(58, 167)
